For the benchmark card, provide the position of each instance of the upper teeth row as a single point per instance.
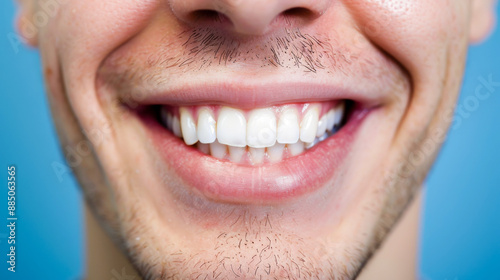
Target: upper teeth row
(263, 128)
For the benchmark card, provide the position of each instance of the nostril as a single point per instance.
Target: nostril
(299, 12)
(255, 17)
(207, 16)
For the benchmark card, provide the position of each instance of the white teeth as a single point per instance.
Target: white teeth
(236, 153)
(225, 133)
(231, 127)
(176, 126)
(261, 129)
(257, 155)
(296, 148)
(309, 125)
(204, 148)
(288, 127)
(275, 152)
(188, 127)
(218, 150)
(339, 113)
(206, 126)
(330, 120)
(321, 126)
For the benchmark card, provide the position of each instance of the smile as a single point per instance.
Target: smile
(256, 149)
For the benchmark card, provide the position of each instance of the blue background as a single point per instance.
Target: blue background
(50, 233)
(460, 236)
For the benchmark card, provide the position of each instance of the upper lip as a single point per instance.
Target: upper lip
(248, 94)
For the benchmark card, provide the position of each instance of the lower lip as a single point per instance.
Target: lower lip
(224, 181)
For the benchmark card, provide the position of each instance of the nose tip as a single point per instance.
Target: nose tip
(249, 17)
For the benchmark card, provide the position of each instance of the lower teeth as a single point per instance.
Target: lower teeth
(256, 156)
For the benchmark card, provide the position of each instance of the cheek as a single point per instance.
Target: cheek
(76, 40)
(89, 30)
(413, 32)
(77, 35)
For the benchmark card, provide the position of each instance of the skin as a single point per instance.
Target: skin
(95, 55)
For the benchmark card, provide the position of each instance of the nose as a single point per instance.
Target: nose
(249, 17)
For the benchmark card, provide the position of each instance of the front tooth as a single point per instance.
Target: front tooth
(330, 120)
(231, 127)
(257, 155)
(176, 126)
(339, 113)
(288, 127)
(188, 127)
(275, 152)
(309, 125)
(218, 150)
(261, 130)
(236, 153)
(206, 126)
(296, 148)
(321, 126)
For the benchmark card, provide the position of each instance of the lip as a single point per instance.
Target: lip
(227, 182)
(268, 92)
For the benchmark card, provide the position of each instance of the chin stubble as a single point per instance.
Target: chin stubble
(254, 247)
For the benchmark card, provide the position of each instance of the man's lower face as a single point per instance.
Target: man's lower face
(221, 152)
